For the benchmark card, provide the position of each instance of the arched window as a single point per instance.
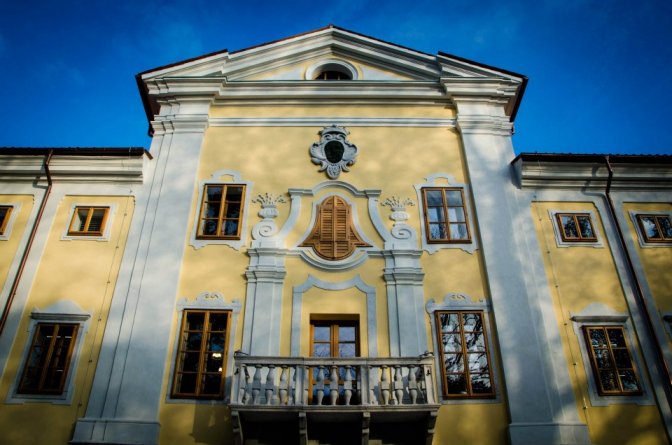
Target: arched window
(334, 237)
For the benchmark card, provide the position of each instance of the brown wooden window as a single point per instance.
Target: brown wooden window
(221, 211)
(655, 228)
(201, 355)
(465, 363)
(334, 338)
(88, 221)
(5, 213)
(576, 227)
(48, 362)
(445, 215)
(611, 361)
(334, 236)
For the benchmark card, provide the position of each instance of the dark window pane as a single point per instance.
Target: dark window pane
(195, 321)
(321, 350)
(212, 210)
(629, 380)
(232, 210)
(230, 228)
(193, 341)
(346, 350)
(616, 338)
(480, 384)
(346, 333)
(216, 342)
(434, 198)
(608, 380)
(321, 333)
(569, 227)
(212, 384)
(666, 226)
(454, 363)
(597, 338)
(585, 227)
(234, 194)
(602, 359)
(209, 227)
(214, 362)
(186, 383)
(214, 193)
(190, 361)
(649, 227)
(622, 357)
(454, 198)
(457, 384)
(218, 321)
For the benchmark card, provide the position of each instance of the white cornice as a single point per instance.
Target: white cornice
(73, 168)
(592, 176)
(325, 121)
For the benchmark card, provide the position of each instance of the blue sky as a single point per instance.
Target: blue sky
(600, 70)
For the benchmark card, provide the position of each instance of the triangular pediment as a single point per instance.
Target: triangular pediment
(292, 59)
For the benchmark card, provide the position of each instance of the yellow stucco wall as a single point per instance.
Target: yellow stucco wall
(579, 276)
(277, 158)
(9, 248)
(83, 272)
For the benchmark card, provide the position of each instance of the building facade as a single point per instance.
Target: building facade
(330, 240)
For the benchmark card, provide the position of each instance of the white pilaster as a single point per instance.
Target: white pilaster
(526, 326)
(124, 401)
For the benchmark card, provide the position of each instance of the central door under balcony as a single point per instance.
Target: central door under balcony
(338, 337)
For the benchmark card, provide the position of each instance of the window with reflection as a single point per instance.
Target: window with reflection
(445, 215)
(613, 367)
(465, 362)
(655, 228)
(48, 362)
(201, 355)
(88, 221)
(576, 227)
(221, 211)
(329, 339)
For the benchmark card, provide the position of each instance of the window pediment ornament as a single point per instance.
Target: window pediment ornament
(334, 153)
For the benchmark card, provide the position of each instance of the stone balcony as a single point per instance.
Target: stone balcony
(333, 400)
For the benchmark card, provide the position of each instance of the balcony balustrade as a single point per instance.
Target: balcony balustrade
(330, 382)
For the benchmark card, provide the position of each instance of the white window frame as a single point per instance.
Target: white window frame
(463, 302)
(16, 208)
(557, 230)
(206, 301)
(640, 236)
(600, 315)
(111, 211)
(216, 179)
(64, 311)
(433, 181)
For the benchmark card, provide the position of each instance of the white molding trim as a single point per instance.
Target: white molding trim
(640, 236)
(325, 121)
(216, 178)
(602, 315)
(558, 235)
(430, 181)
(357, 282)
(112, 210)
(63, 311)
(16, 208)
(455, 301)
(206, 301)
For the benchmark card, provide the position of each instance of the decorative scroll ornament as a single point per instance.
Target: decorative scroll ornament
(333, 153)
(269, 205)
(398, 207)
(266, 228)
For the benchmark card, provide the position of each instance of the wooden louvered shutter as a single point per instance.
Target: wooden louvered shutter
(334, 236)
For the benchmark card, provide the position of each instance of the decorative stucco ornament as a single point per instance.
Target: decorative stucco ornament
(398, 206)
(333, 153)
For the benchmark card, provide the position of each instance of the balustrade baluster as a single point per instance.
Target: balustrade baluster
(306, 385)
(347, 385)
(398, 385)
(319, 384)
(333, 384)
(256, 385)
(412, 384)
(385, 385)
(373, 380)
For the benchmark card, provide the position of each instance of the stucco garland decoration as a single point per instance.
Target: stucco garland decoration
(334, 153)
(266, 228)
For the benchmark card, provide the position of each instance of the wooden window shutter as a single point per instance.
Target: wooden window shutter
(334, 236)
